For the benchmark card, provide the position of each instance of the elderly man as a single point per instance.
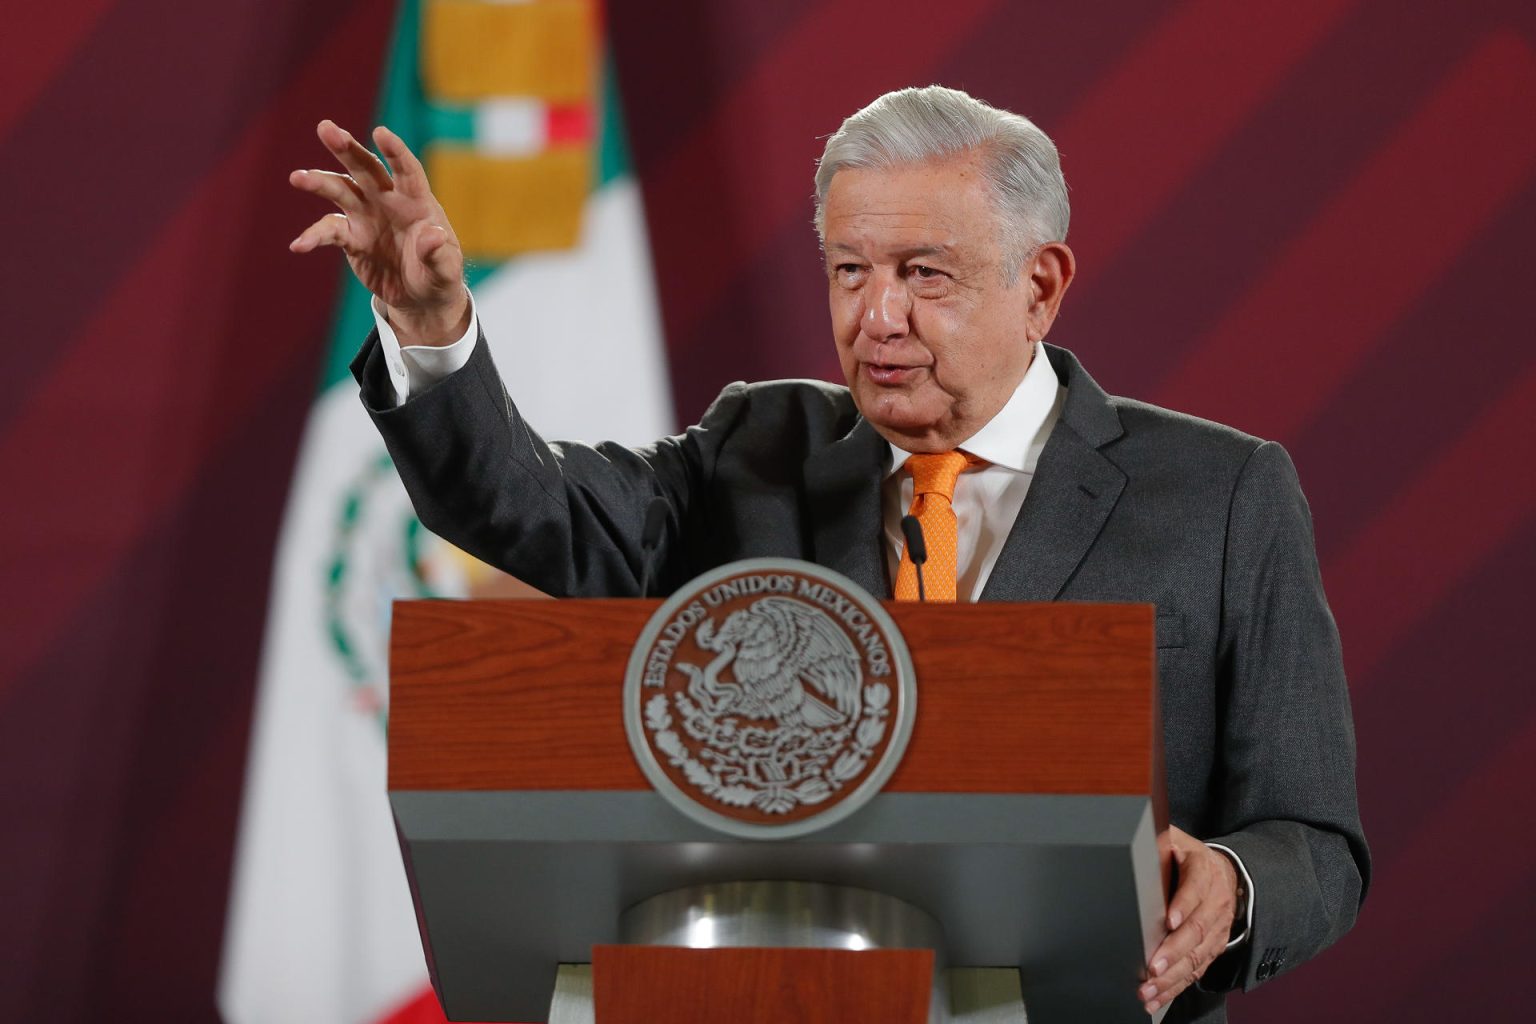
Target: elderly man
(943, 223)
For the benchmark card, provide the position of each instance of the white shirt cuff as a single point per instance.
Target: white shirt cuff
(416, 367)
(1246, 912)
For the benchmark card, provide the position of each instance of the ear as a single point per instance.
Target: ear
(1050, 274)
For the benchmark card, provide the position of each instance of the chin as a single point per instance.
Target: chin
(910, 434)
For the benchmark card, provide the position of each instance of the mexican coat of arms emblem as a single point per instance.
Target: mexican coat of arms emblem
(769, 698)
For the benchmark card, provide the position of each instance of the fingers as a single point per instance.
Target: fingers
(438, 253)
(1177, 964)
(410, 176)
(364, 167)
(340, 189)
(1199, 919)
(1181, 948)
(1194, 885)
(332, 229)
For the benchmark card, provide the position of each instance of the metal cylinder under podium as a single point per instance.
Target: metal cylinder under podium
(780, 913)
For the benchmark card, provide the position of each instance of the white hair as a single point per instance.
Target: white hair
(913, 126)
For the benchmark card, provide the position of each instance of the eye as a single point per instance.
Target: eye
(849, 275)
(924, 273)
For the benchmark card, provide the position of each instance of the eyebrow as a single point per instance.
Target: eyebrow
(901, 254)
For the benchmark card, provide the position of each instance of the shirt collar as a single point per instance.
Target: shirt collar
(1014, 437)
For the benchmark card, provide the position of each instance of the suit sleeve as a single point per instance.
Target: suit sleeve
(1287, 760)
(563, 517)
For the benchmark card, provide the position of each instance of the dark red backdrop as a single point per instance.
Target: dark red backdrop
(1312, 219)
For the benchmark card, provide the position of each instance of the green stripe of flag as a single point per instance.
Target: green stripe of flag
(403, 107)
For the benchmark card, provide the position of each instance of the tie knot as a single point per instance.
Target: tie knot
(936, 473)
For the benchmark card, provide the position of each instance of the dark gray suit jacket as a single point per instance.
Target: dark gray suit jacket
(1129, 503)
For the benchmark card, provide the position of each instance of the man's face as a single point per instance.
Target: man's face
(932, 339)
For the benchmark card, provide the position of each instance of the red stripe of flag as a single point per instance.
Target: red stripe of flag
(422, 1008)
(568, 125)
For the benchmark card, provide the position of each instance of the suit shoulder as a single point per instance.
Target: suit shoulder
(814, 407)
(1148, 434)
(800, 392)
(1175, 434)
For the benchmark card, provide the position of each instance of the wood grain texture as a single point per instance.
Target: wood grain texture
(1012, 698)
(647, 984)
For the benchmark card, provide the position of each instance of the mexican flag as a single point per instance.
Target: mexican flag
(515, 111)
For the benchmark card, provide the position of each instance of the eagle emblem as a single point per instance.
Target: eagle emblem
(765, 694)
(791, 662)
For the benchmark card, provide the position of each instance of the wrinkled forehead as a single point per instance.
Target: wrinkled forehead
(937, 208)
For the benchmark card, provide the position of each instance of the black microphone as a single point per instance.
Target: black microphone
(916, 549)
(650, 540)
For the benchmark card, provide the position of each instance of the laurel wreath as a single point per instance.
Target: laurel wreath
(724, 782)
(361, 653)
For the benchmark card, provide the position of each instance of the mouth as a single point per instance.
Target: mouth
(891, 375)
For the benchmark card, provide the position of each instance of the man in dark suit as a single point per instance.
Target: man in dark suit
(942, 220)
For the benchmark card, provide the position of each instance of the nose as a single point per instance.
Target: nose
(887, 306)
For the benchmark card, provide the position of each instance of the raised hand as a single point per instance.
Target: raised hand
(1200, 919)
(393, 230)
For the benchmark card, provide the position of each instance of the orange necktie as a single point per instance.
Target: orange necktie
(933, 494)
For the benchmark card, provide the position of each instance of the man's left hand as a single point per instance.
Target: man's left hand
(1199, 920)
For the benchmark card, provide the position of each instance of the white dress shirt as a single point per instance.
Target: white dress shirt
(987, 498)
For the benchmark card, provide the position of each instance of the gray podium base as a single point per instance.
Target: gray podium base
(977, 995)
(1065, 889)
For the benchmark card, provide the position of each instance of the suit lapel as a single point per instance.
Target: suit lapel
(842, 485)
(1074, 490)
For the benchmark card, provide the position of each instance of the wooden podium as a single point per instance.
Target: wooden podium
(1021, 829)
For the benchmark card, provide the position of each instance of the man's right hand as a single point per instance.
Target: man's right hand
(394, 232)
